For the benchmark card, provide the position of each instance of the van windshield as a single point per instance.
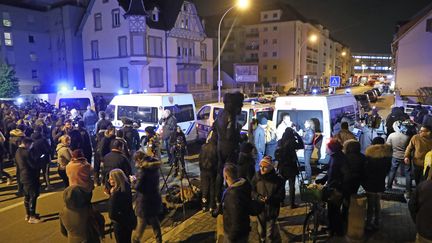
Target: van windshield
(139, 114)
(74, 103)
(298, 118)
(182, 113)
(241, 119)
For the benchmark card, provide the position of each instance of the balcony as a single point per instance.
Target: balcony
(250, 48)
(192, 88)
(189, 62)
(252, 34)
(138, 59)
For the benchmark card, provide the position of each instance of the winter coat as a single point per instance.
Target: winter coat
(259, 139)
(420, 207)
(236, 203)
(246, 165)
(75, 216)
(148, 199)
(420, 145)
(15, 136)
(120, 208)
(79, 172)
(28, 168)
(336, 173)
(344, 135)
(86, 144)
(132, 137)
(64, 155)
(208, 157)
(102, 125)
(396, 115)
(378, 163)
(399, 142)
(286, 156)
(427, 120)
(40, 150)
(103, 146)
(169, 127)
(271, 186)
(354, 167)
(308, 138)
(90, 118)
(116, 160)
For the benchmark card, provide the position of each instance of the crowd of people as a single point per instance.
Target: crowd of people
(90, 152)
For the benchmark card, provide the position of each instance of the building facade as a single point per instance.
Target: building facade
(42, 46)
(372, 64)
(147, 46)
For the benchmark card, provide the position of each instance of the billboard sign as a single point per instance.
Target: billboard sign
(246, 73)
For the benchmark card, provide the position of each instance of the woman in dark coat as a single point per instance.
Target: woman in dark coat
(148, 199)
(120, 206)
(378, 163)
(287, 159)
(207, 164)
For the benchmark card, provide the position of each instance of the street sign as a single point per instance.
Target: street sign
(334, 81)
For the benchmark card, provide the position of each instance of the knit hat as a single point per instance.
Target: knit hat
(378, 140)
(266, 161)
(263, 121)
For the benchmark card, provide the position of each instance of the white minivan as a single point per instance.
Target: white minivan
(208, 113)
(326, 111)
(74, 99)
(147, 110)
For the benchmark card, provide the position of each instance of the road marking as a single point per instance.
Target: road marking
(21, 203)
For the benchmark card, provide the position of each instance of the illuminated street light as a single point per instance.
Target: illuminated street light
(241, 5)
(357, 60)
(343, 53)
(312, 39)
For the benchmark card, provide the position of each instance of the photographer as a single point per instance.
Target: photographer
(178, 150)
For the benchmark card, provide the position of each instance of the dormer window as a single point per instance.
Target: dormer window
(155, 14)
(185, 8)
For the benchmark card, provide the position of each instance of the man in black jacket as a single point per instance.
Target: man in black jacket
(115, 160)
(131, 135)
(41, 154)
(420, 207)
(29, 177)
(236, 207)
(169, 123)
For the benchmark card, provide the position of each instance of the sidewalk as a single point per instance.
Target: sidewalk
(397, 226)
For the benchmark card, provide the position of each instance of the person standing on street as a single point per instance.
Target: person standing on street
(29, 177)
(169, 128)
(90, 118)
(16, 135)
(308, 137)
(2, 153)
(115, 160)
(103, 123)
(285, 123)
(416, 151)
(41, 153)
(64, 155)
(79, 171)
(344, 134)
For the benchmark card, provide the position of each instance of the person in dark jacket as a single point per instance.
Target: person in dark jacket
(103, 147)
(246, 161)
(236, 203)
(396, 114)
(268, 187)
(29, 177)
(90, 118)
(131, 135)
(420, 207)
(169, 126)
(103, 123)
(116, 160)
(15, 136)
(344, 134)
(41, 153)
(207, 165)
(308, 137)
(86, 145)
(378, 163)
(286, 156)
(148, 199)
(120, 206)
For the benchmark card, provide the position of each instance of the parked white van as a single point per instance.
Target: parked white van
(208, 113)
(147, 109)
(74, 99)
(327, 110)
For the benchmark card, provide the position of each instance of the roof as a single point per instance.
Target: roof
(416, 19)
(168, 11)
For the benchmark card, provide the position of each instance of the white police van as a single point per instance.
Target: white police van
(147, 110)
(208, 113)
(326, 110)
(74, 99)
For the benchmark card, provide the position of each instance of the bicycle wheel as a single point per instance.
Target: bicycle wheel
(310, 228)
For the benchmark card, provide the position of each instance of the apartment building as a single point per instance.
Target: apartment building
(146, 46)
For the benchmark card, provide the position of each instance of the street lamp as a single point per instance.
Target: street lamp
(343, 53)
(241, 5)
(363, 68)
(312, 39)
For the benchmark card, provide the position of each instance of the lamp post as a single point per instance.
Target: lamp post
(312, 38)
(241, 4)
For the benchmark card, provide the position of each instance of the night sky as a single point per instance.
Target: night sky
(364, 25)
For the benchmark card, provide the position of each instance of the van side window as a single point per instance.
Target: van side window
(135, 113)
(216, 112)
(336, 115)
(242, 118)
(74, 103)
(204, 113)
(182, 113)
(298, 117)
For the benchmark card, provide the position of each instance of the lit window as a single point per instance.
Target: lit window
(124, 77)
(6, 20)
(33, 57)
(115, 18)
(8, 39)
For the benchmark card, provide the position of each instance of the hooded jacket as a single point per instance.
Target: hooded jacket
(64, 155)
(41, 149)
(28, 168)
(398, 141)
(79, 172)
(396, 115)
(148, 199)
(378, 163)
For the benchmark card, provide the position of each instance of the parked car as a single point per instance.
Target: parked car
(315, 90)
(257, 97)
(271, 95)
(363, 99)
(295, 91)
(372, 96)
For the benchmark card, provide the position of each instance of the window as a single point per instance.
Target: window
(274, 79)
(156, 77)
(187, 24)
(115, 14)
(95, 49)
(274, 41)
(204, 76)
(74, 103)
(428, 26)
(124, 77)
(96, 78)
(265, 41)
(186, 76)
(274, 54)
(265, 16)
(122, 42)
(183, 113)
(155, 46)
(6, 19)
(275, 15)
(275, 28)
(337, 114)
(204, 113)
(8, 39)
(264, 54)
(264, 67)
(265, 29)
(33, 57)
(31, 39)
(265, 79)
(138, 44)
(140, 114)
(98, 21)
(203, 51)
(274, 67)
(34, 74)
(300, 116)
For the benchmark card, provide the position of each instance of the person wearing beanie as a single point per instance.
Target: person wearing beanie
(79, 171)
(75, 221)
(378, 163)
(268, 187)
